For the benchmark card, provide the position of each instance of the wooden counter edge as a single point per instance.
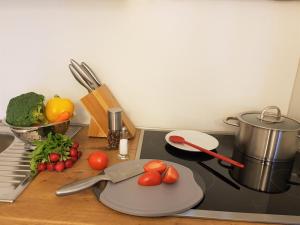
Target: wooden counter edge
(38, 204)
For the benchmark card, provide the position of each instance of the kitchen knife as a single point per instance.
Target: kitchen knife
(79, 78)
(115, 174)
(91, 73)
(85, 76)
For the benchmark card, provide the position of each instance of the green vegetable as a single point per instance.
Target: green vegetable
(26, 110)
(55, 143)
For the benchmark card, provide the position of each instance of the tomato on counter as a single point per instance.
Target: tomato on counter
(98, 160)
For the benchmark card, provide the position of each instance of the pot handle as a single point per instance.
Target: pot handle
(229, 120)
(267, 116)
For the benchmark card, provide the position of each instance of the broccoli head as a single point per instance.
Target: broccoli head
(26, 110)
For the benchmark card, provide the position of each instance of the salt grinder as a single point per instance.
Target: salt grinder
(123, 147)
(114, 127)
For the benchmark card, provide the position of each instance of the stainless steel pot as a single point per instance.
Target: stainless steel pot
(271, 177)
(266, 135)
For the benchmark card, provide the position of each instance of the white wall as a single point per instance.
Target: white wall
(171, 63)
(294, 108)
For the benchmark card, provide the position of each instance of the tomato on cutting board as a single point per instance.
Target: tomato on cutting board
(155, 165)
(150, 178)
(171, 175)
(156, 172)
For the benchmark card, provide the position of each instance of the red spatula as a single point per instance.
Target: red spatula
(181, 140)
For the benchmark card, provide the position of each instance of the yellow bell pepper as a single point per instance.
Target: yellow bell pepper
(57, 106)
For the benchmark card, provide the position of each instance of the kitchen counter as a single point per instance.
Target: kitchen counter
(38, 204)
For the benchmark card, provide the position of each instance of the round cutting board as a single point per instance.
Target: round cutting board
(165, 199)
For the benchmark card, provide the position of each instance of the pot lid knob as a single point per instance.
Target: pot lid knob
(270, 117)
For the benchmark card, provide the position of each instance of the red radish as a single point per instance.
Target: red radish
(74, 158)
(79, 154)
(73, 152)
(68, 163)
(59, 166)
(50, 166)
(41, 167)
(75, 145)
(54, 157)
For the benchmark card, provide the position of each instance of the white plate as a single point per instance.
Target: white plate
(196, 137)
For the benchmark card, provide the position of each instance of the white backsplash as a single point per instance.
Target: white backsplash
(294, 108)
(171, 64)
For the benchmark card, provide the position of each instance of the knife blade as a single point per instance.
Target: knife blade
(85, 76)
(115, 174)
(91, 73)
(79, 78)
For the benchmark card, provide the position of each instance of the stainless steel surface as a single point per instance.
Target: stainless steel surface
(229, 121)
(266, 116)
(270, 177)
(275, 141)
(85, 76)
(114, 175)
(80, 185)
(15, 173)
(237, 216)
(269, 120)
(79, 79)
(266, 144)
(5, 141)
(114, 118)
(30, 134)
(91, 73)
(231, 216)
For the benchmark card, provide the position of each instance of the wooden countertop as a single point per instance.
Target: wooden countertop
(38, 204)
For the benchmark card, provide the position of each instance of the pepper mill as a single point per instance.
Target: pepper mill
(114, 127)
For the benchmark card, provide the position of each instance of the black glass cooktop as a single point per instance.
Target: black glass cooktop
(225, 198)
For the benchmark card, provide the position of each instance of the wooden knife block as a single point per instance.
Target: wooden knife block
(97, 104)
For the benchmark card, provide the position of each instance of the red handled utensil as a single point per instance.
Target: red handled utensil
(181, 140)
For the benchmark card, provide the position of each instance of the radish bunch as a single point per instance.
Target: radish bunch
(56, 161)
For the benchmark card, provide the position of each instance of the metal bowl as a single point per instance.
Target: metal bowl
(34, 133)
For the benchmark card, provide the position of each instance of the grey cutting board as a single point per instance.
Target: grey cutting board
(152, 201)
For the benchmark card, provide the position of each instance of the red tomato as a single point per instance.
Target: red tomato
(155, 165)
(151, 178)
(171, 175)
(98, 160)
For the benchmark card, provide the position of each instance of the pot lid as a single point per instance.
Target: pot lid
(270, 118)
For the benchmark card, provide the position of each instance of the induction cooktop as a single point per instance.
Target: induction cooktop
(225, 198)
